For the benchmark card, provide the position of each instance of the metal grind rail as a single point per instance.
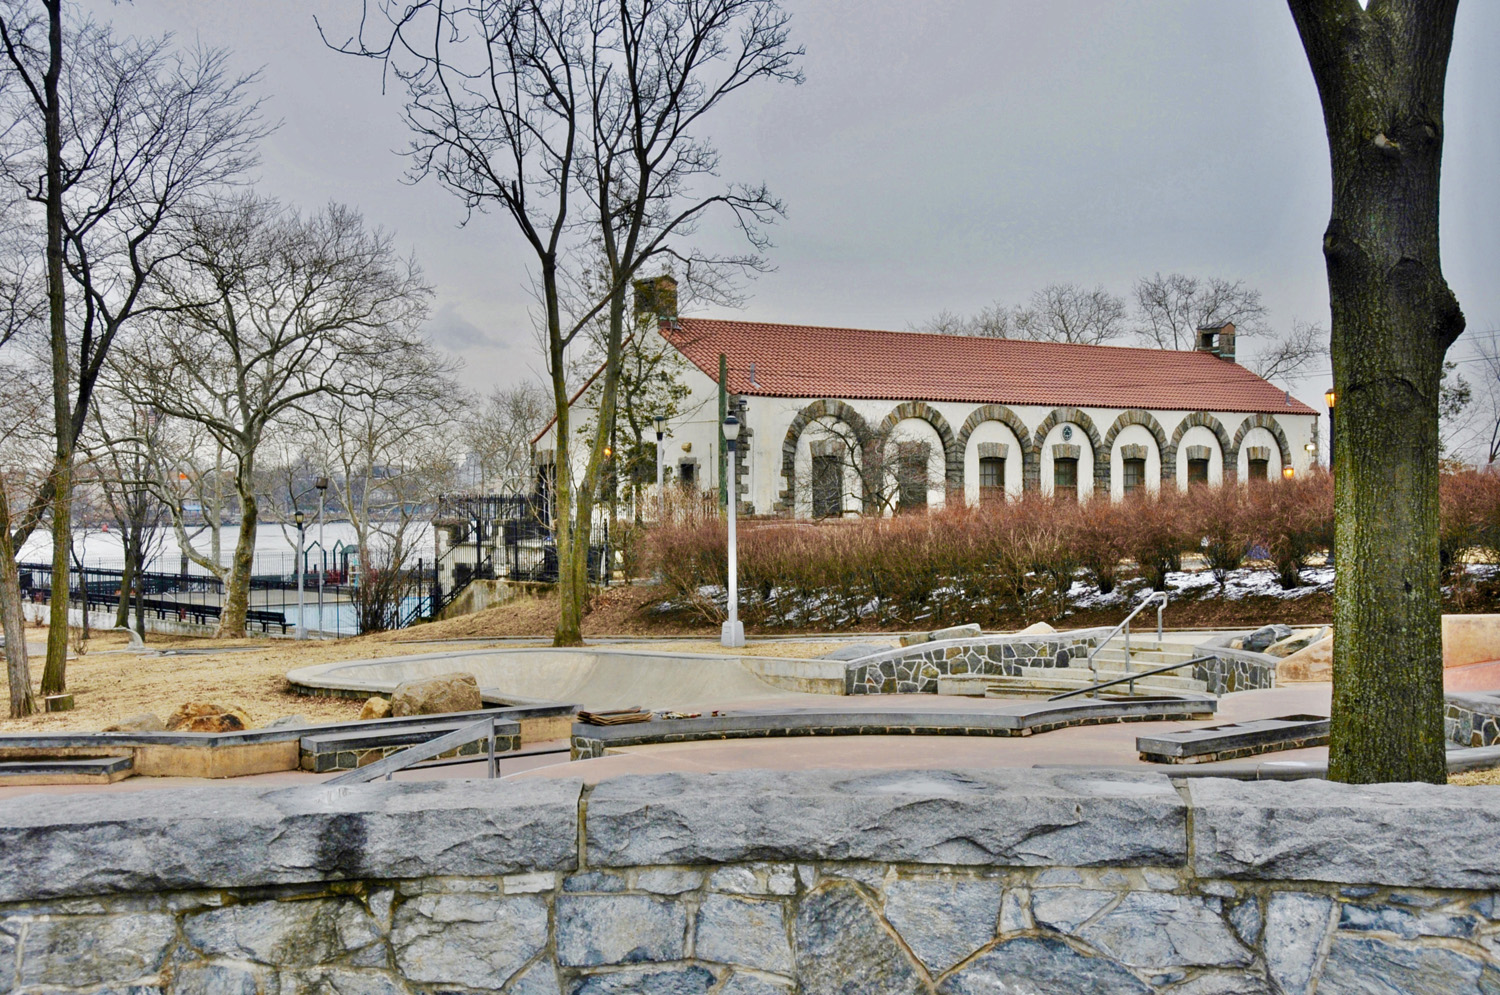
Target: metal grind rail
(1159, 598)
(430, 750)
(1131, 678)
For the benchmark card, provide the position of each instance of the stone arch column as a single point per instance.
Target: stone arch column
(1133, 416)
(1228, 451)
(1056, 417)
(1270, 424)
(953, 456)
(786, 503)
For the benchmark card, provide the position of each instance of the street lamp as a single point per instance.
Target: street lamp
(322, 485)
(301, 578)
(661, 495)
(1332, 397)
(733, 633)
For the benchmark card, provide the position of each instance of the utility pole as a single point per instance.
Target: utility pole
(723, 413)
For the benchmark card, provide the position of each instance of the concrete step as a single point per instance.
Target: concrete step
(1045, 681)
(1109, 673)
(1234, 740)
(65, 770)
(348, 749)
(1148, 657)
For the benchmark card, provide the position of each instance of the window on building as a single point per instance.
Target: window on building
(1197, 471)
(1135, 475)
(992, 479)
(911, 477)
(1259, 469)
(827, 487)
(1065, 479)
(687, 476)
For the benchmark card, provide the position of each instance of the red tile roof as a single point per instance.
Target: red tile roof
(807, 361)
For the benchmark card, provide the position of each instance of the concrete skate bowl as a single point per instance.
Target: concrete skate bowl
(591, 679)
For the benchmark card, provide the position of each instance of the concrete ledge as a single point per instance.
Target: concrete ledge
(1015, 817)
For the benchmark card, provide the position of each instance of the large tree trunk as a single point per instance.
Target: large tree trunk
(237, 589)
(54, 675)
(12, 623)
(1380, 75)
(127, 578)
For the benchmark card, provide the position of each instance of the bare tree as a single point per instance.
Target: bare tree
(264, 312)
(126, 132)
(995, 321)
(1287, 358)
(1066, 312)
(120, 450)
(1170, 309)
(498, 434)
(1379, 69)
(23, 460)
(582, 121)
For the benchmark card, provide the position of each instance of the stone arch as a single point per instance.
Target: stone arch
(953, 457)
(1228, 452)
(1132, 416)
(1270, 424)
(998, 413)
(1056, 417)
(826, 408)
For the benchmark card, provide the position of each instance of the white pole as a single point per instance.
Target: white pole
(661, 494)
(733, 634)
(301, 582)
(322, 555)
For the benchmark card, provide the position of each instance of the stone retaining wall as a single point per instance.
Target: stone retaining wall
(1472, 718)
(757, 882)
(1234, 670)
(916, 669)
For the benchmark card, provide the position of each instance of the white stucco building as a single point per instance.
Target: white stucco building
(958, 418)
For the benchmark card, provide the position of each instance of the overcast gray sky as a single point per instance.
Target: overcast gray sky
(942, 154)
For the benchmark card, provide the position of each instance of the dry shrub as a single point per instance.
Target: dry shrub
(1099, 542)
(1469, 513)
(1216, 516)
(1291, 519)
(1156, 532)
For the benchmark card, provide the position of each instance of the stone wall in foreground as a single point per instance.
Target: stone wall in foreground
(755, 882)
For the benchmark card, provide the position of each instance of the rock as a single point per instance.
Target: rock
(1368, 966)
(970, 631)
(1040, 966)
(943, 919)
(1258, 640)
(745, 984)
(139, 722)
(1312, 663)
(1036, 629)
(475, 940)
(1236, 983)
(599, 930)
(288, 934)
(1065, 909)
(1161, 930)
(669, 882)
(916, 638)
(744, 931)
(287, 722)
(203, 716)
(376, 707)
(456, 692)
(1295, 927)
(85, 951)
(855, 651)
(539, 979)
(674, 981)
(842, 947)
(1291, 644)
(334, 981)
(1237, 643)
(219, 979)
(1015, 816)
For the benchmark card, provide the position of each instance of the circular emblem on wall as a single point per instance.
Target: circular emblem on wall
(1067, 432)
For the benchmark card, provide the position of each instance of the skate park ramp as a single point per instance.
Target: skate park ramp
(593, 679)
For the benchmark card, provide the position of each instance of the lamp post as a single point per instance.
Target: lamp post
(322, 485)
(661, 494)
(1332, 397)
(301, 579)
(733, 633)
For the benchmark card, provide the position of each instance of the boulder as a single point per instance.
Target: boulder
(203, 716)
(970, 631)
(1314, 663)
(1258, 640)
(914, 638)
(140, 722)
(1291, 644)
(854, 651)
(1036, 629)
(456, 692)
(376, 708)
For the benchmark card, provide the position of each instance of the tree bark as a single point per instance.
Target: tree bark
(12, 623)
(237, 589)
(1380, 75)
(127, 578)
(54, 674)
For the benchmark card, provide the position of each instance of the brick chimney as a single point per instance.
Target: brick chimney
(656, 297)
(1218, 340)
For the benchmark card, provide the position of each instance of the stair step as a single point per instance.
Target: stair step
(65, 770)
(1172, 680)
(351, 748)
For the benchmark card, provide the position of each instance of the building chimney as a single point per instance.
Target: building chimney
(1218, 340)
(656, 297)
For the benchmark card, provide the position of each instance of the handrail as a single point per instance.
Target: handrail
(1125, 625)
(1132, 678)
(386, 766)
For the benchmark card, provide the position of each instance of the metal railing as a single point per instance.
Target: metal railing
(1160, 597)
(1132, 678)
(430, 750)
